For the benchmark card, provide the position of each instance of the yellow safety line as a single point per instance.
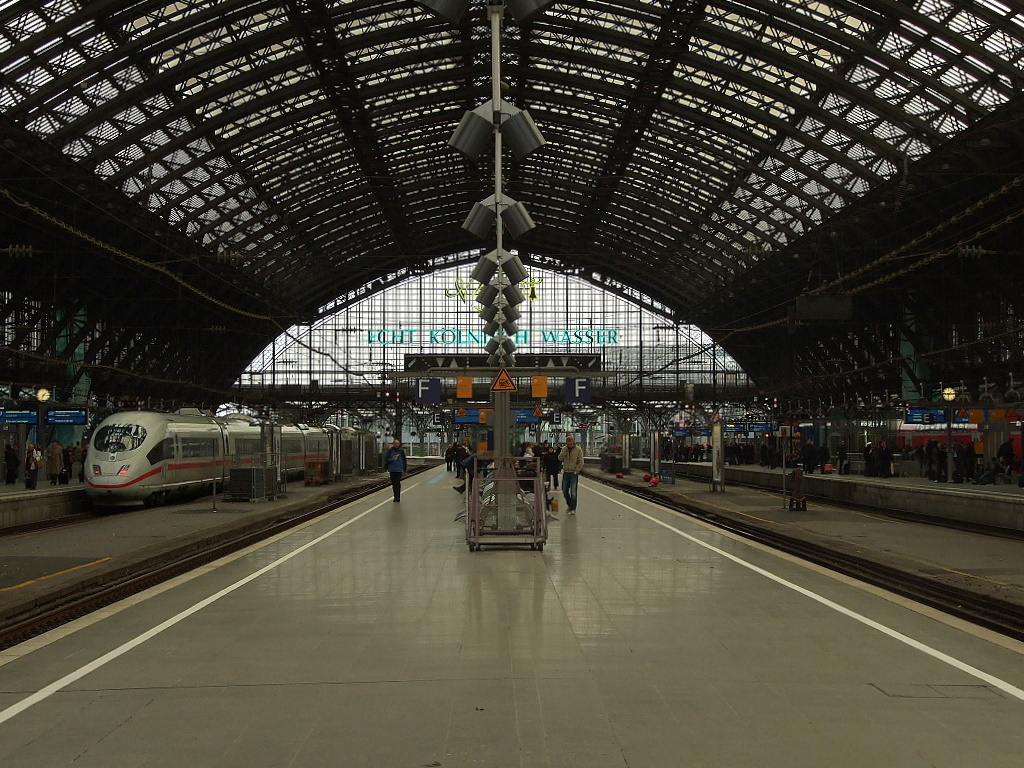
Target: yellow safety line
(730, 510)
(777, 495)
(51, 575)
(960, 573)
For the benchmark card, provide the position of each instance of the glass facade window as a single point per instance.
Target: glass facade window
(436, 314)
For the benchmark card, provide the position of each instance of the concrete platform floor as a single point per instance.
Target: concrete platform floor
(638, 638)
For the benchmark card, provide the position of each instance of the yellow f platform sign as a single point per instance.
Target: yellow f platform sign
(504, 383)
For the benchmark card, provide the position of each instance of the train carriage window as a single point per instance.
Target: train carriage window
(245, 446)
(163, 450)
(197, 447)
(117, 438)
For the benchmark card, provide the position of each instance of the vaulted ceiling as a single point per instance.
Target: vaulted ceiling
(194, 176)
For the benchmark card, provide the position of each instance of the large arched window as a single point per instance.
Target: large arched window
(436, 314)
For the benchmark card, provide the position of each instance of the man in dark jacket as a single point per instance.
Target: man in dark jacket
(397, 464)
(808, 457)
(12, 464)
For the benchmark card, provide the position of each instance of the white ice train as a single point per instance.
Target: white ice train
(144, 457)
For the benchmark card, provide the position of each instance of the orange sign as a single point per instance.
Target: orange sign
(539, 386)
(504, 383)
(538, 411)
(461, 413)
(464, 387)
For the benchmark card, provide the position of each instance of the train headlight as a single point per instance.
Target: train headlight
(124, 469)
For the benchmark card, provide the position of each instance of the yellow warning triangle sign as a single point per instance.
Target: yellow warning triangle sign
(504, 383)
(538, 411)
(461, 413)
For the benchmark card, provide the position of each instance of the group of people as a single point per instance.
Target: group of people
(566, 460)
(59, 463)
(933, 461)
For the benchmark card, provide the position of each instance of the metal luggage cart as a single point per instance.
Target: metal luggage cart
(506, 505)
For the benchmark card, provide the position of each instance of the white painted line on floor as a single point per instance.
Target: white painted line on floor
(996, 682)
(64, 682)
(440, 476)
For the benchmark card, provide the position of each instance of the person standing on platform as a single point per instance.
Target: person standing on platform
(33, 460)
(397, 463)
(1005, 456)
(571, 457)
(54, 461)
(841, 458)
(11, 462)
(808, 457)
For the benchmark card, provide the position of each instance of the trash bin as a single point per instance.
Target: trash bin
(317, 472)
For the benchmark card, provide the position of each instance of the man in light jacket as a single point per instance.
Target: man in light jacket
(571, 457)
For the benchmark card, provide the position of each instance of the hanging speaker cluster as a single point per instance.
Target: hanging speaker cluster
(518, 131)
(499, 272)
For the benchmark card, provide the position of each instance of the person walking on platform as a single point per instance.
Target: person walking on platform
(552, 467)
(11, 462)
(397, 463)
(571, 457)
(460, 452)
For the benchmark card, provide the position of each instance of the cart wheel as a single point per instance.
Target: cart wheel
(540, 546)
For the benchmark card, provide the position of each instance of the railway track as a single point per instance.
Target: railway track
(132, 580)
(1001, 616)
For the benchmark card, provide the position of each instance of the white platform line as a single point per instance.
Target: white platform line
(45, 693)
(996, 682)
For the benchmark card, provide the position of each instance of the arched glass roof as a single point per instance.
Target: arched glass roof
(689, 143)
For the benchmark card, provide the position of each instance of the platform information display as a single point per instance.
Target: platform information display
(75, 416)
(472, 416)
(934, 416)
(18, 417)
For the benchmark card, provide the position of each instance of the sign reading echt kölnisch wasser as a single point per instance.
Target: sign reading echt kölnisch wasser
(461, 337)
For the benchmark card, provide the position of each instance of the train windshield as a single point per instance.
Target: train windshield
(117, 438)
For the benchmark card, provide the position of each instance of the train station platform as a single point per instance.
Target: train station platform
(981, 561)
(41, 566)
(638, 638)
(992, 506)
(21, 507)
